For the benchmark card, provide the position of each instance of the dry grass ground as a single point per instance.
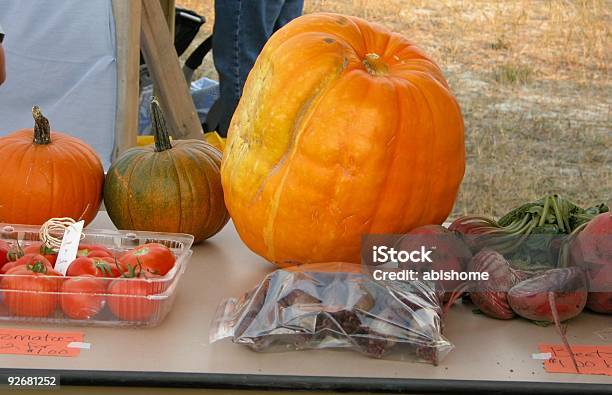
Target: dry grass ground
(532, 78)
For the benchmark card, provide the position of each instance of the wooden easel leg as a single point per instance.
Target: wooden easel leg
(168, 79)
(168, 7)
(127, 30)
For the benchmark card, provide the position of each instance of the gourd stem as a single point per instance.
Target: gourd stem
(374, 65)
(42, 130)
(160, 130)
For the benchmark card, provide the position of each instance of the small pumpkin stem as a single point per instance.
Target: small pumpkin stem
(42, 130)
(160, 130)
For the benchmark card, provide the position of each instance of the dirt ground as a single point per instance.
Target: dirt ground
(533, 81)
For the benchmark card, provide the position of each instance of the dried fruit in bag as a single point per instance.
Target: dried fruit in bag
(336, 306)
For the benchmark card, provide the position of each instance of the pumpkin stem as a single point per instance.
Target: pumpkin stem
(42, 131)
(375, 66)
(160, 130)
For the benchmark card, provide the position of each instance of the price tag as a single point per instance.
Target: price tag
(40, 342)
(70, 246)
(591, 359)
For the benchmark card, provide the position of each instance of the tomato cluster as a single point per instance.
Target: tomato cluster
(98, 277)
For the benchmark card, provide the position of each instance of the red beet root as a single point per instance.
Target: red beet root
(600, 302)
(595, 240)
(475, 231)
(491, 296)
(553, 296)
(472, 225)
(529, 298)
(448, 252)
(482, 232)
(592, 250)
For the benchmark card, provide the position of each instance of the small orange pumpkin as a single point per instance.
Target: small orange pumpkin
(343, 129)
(170, 186)
(45, 174)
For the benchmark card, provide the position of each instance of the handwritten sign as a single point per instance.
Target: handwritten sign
(69, 248)
(40, 343)
(590, 359)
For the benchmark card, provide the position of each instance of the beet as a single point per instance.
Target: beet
(553, 296)
(600, 302)
(491, 296)
(449, 253)
(529, 298)
(471, 225)
(477, 232)
(592, 250)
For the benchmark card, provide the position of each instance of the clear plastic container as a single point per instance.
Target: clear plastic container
(116, 302)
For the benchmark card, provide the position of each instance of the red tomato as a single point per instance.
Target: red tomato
(83, 297)
(32, 292)
(99, 267)
(158, 286)
(4, 250)
(153, 258)
(40, 248)
(14, 252)
(130, 308)
(9, 252)
(28, 259)
(94, 251)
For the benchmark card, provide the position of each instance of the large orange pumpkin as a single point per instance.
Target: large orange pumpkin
(45, 174)
(343, 129)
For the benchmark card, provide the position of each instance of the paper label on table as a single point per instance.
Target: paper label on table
(543, 355)
(70, 247)
(605, 334)
(81, 345)
(591, 359)
(39, 343)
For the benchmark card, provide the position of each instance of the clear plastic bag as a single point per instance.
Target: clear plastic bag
(336, 306)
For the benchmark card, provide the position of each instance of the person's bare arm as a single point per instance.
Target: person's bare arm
(2, 68)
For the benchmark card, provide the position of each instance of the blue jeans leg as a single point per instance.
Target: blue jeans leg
(241, 29)
(291, 9)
